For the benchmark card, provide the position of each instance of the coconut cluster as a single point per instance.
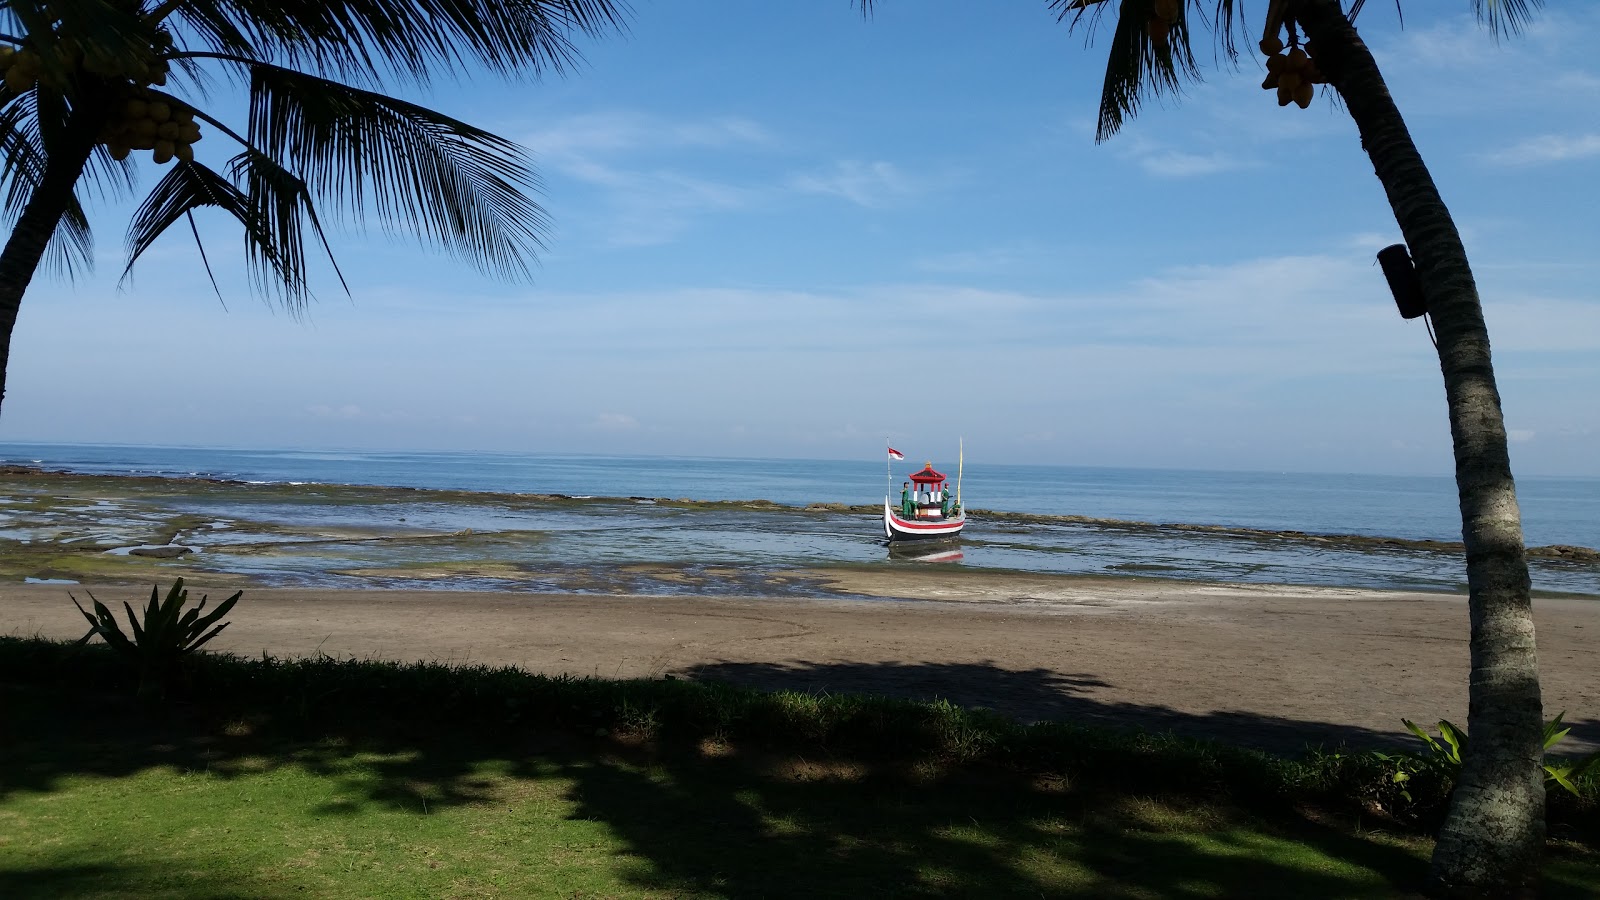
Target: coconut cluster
(1292, 72)
(140, 119)
(23, 68)
(1164, 16)
(50, 62)
(147, 121)
(1291, 69)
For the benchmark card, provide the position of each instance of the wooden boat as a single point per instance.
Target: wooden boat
(926, 511)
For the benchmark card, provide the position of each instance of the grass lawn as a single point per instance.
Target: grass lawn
(101, 797)
(326, 822)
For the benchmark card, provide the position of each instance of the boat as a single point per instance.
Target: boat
(926, 512)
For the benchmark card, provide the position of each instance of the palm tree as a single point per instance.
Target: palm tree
(88, 83)
(1491, 840)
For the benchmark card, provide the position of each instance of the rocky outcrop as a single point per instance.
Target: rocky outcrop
(167, 552)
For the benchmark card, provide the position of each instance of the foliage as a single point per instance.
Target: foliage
(166, 634)
(1565, 772)
(1435, 770)
(312, 698)
(1152, 45)
(318, 139)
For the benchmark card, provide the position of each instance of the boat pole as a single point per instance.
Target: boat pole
(961, 459)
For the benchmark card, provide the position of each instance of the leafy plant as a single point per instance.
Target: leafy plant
(165, 635)
(1564, 772)
(1443, 757)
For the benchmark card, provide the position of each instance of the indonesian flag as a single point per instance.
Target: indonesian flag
(896, 454)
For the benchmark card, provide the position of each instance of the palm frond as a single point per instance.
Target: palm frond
(363, 40)
(1137, 63)
(422, 172)
(212, 27)
(1505, 17)
(21, 154)
(22, 161)
(190, 186)
(71, 247)
(1228, 28)
(112, 179)
(283, 208)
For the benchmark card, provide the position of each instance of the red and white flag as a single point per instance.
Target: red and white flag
(896, 454)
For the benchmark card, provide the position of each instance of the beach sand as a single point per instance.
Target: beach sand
(1272, 666)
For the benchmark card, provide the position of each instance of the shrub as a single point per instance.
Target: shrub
(166, 635)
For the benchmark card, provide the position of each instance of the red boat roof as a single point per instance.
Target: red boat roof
(927, 475)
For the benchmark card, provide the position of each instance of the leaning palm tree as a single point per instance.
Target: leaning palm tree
(1491, 840)
(1492, 837)
(94, 90)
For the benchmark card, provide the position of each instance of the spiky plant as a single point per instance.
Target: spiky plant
(91, 86)
(163, 636)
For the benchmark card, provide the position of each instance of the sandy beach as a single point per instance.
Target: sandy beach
(1273, 666)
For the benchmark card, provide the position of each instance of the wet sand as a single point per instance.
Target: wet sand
(1274, 666)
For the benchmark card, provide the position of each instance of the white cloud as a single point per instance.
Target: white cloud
(1167, 162)
(1519, 435)
(1547, 148)
(1456, 68)
(622, 132)
(864, 184)
(648, 202)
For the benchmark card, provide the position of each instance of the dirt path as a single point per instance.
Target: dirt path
(1277, 667)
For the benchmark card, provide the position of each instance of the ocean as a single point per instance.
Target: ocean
(1555, 511)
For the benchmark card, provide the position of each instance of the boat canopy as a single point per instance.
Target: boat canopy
(927, 475)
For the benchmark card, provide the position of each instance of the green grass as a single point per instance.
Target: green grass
(336, 823)
(344, 779)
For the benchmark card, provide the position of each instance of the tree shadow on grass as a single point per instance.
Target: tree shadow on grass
(697, 812)
(1033, 695)
(96, 879)
(714, 826)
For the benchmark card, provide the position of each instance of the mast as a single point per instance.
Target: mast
(888, 472)
(961, 458)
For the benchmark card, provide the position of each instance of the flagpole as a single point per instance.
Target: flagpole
(961, 459)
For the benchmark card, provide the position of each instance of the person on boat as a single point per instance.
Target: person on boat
(944, 502)
(905, 499)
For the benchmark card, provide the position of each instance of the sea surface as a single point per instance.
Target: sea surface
(1555, 511)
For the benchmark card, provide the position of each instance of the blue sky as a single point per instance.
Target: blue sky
(783, 231)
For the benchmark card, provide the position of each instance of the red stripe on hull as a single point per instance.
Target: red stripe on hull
(897, 528)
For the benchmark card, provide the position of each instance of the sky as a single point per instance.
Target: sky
(784, 230)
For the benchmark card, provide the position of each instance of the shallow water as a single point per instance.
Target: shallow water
(1555, 510)
(489, 544)
(357, 537)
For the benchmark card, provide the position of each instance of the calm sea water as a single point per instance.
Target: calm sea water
(576, 539)
(1555, 510)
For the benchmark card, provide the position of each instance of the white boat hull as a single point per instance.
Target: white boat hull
(898, 528)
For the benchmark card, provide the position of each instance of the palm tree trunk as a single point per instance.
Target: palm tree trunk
(1493, 834)
(51, 198)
